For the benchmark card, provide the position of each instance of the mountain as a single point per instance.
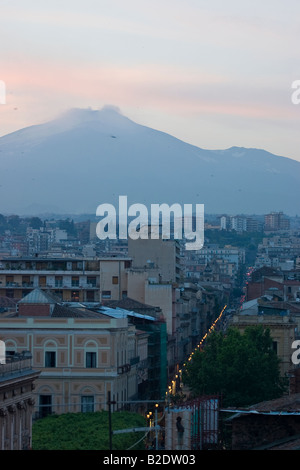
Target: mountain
(89, 157)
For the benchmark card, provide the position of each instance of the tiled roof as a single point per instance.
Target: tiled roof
(39, 296)
(7, 302)
(286, 404)
(69, 312)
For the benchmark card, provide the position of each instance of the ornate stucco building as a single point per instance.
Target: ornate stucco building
(17, 382)
(82, 354)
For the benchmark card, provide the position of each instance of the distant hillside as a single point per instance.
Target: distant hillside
(85, 158)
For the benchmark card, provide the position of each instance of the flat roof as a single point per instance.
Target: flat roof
(122, 313)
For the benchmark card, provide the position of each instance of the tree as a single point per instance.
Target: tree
(14, 223)
(35, 222)
(3, 223)
(87, 431)
(68, 225)
(243, 367)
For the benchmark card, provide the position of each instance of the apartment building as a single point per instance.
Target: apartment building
(70, 279)
(163, 254)
(278, 251)
(227, 253)
(81, 353)
(152, 275)
(240, 223)
(152, 372)
(275, 221)
(113, 281)
(272, 282)
(222, 263)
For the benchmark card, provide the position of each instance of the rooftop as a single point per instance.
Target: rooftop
(38, 296)
(285, 405)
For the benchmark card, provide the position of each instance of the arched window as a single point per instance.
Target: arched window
(91, 350)
(50, 349)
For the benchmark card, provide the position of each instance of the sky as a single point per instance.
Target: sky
(212, 73)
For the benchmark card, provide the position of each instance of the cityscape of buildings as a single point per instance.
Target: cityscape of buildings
(149, 230)
(81, 318)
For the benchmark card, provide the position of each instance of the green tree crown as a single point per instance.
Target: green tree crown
(242, 367)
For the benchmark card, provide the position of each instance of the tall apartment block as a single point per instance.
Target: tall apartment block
(276, 221)
(71, 279)
(161, 254)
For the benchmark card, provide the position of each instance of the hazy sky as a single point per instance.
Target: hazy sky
(215, 74)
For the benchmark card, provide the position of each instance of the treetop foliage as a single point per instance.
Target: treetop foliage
(87, 431)
(241, 366)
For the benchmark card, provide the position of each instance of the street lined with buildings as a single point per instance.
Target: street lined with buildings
(125, 321)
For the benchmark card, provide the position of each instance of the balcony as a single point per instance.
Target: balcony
(56, 271)
(27, 284)
(134, 360)
(60, 285)
(16, 364)
(13, 284)
(123, 369)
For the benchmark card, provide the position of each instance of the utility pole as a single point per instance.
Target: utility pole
(109, 403)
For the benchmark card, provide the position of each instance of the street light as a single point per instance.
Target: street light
(156, 430)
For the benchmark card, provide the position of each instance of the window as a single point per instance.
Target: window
(42, 281)
(90, 296)
(59, 293)
(58, 281)
(75, 281)
(75, 295)
(90, 360)
(106, 294)
(45, 405)
(50, 359)
(91, 281)
(87, 403)
(25, 281)
(10, 293)
(9, 280)
(115, 280)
